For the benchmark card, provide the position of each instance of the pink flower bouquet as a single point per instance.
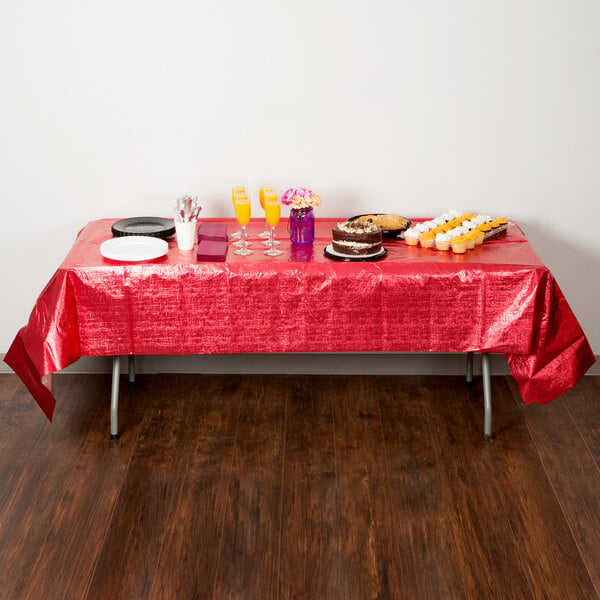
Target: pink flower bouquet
(301, 198)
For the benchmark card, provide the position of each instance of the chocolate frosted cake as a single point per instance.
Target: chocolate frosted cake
(357, 238)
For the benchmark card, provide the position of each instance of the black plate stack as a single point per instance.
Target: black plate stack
(150, 226)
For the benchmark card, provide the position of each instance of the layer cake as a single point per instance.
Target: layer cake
(357, 238)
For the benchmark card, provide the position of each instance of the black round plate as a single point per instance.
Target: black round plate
(330, 253)
(386, 233)
(152, 226)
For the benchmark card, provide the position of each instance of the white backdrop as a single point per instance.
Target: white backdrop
(115, 108)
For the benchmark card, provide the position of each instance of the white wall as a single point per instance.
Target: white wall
(115, 108)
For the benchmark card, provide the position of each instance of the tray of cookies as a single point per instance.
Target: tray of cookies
(392, 225)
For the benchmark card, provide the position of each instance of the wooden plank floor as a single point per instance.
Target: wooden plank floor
(298, 487)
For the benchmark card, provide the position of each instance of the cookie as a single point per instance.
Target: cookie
(386, 221)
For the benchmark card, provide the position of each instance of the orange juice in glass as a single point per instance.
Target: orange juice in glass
(243, 213)
(271, 197)
(262, 194)
(243, 210)
(236, 191)
(272, 214)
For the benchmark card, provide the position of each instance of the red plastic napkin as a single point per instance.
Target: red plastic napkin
(215, 250)
(212, 231)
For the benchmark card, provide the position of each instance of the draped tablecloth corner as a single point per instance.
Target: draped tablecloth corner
(38, 384)
(561, 353)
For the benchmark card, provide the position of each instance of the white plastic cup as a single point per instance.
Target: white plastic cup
(186, 234)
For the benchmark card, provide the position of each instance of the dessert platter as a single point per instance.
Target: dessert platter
(391, 225)
(355, 240)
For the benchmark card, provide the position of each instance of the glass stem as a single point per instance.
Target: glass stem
(272, 237)
(243, 237)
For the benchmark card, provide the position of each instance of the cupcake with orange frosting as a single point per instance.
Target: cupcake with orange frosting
(498, 223)
(458, 244)
(427, 239)
(470, 237)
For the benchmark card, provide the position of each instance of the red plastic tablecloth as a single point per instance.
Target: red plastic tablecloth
(496, 298)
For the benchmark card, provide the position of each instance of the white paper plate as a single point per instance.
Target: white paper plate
(134, 248)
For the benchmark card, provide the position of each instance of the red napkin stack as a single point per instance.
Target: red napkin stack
(212, 231)
(212, 242)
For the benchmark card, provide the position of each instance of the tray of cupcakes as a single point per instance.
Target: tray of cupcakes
(455, 231)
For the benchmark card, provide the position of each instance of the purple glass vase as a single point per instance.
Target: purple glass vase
(302, 226)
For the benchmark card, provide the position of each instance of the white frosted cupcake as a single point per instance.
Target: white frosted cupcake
(442, 241)
(457, 231)
(411, 236)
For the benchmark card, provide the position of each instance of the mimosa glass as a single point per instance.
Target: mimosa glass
(262, 194)
(242, 213)
(242, 233)
(272, 214)
(270, 196)
(237, 190)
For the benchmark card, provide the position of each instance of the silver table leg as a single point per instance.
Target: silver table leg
(131, 365)
(114, 399)
(487, 397)
(469, 378)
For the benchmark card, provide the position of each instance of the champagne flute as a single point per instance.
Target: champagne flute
(236, 191)
(262, 194)
(272, 214)
(242, 213)
(241, 234)
(270, 196)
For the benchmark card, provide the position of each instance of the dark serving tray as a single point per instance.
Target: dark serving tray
(386, 233)
(151, 226)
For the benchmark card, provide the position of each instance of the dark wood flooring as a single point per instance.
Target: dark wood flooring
(298, 487)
